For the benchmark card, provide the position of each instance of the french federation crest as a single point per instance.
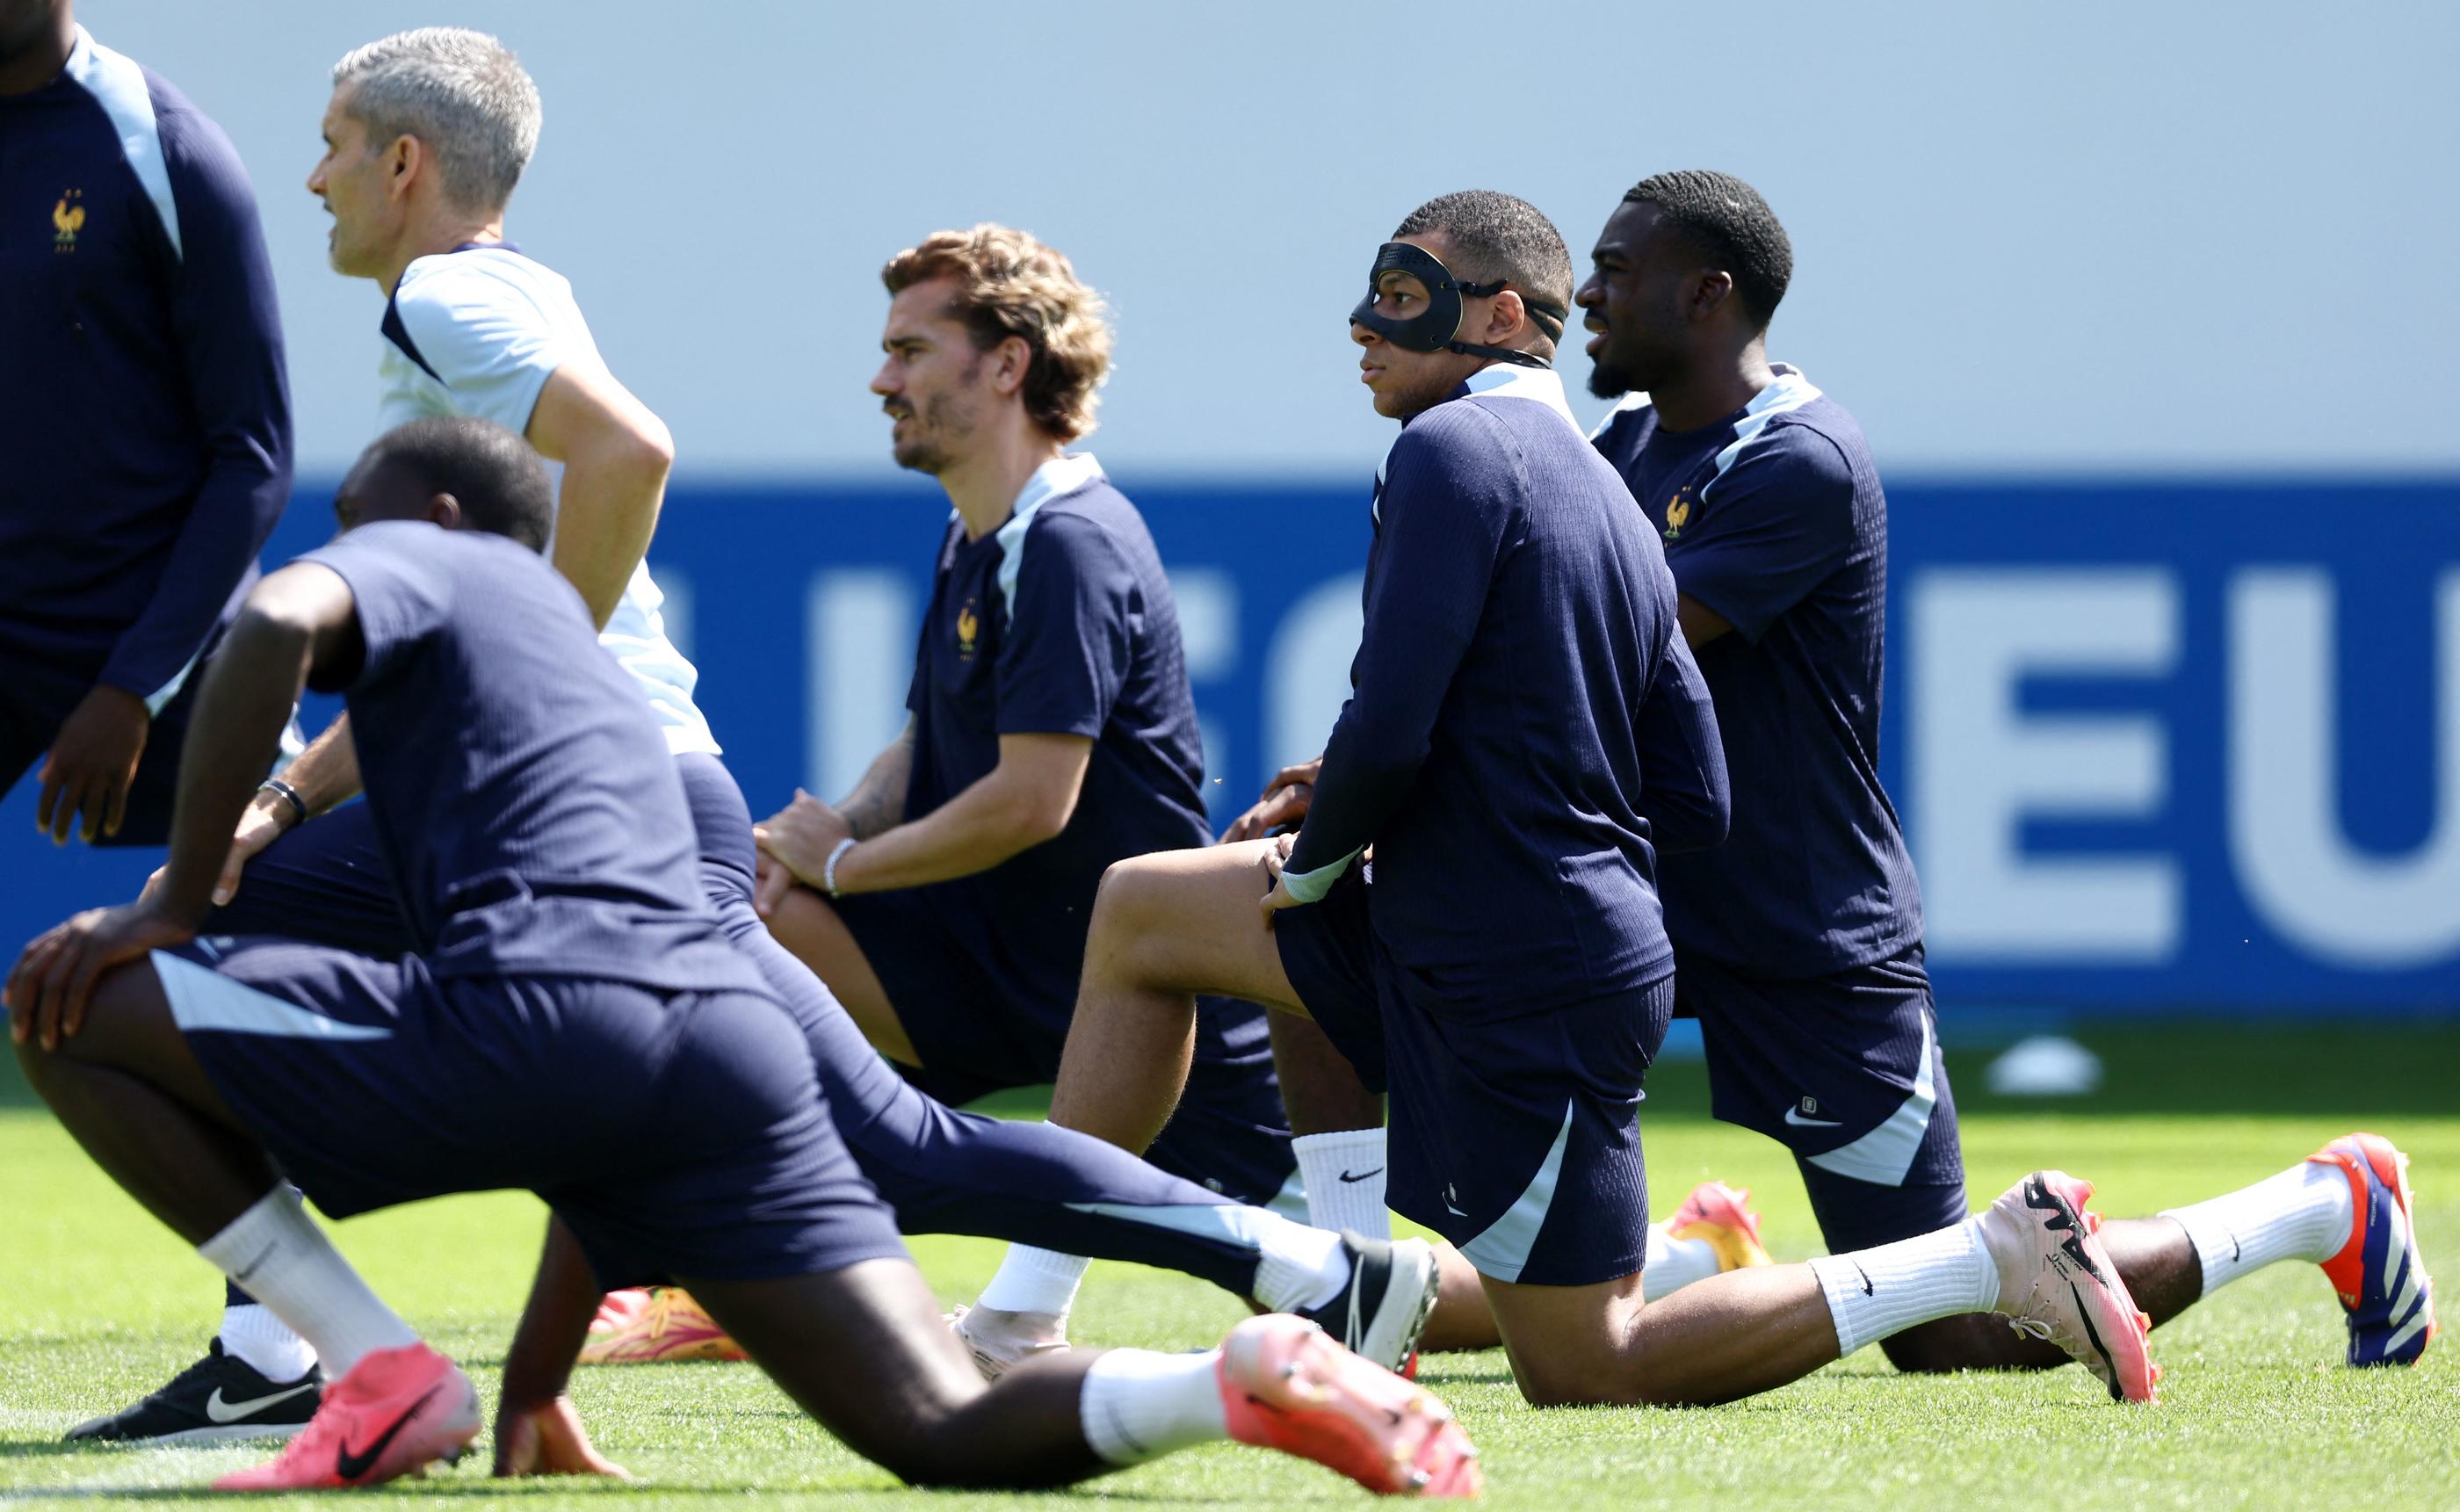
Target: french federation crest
(1678, 512)
(970, 625)
(68, 219)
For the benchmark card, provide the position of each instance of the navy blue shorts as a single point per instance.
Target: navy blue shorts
(680, 1135)
(1517, 1138)
(978, 1035)
(1845, 1071)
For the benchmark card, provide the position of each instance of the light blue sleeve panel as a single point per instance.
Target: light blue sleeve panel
(485, 338)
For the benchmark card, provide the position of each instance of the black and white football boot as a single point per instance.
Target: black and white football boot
(1383, 1309)
(221, 1397)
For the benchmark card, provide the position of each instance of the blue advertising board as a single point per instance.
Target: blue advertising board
(2160, 746)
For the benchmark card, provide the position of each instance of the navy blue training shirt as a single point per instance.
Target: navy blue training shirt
(141, 390)
(529, 812)
(1774, 518)
(1526, 729)
(1060, 621)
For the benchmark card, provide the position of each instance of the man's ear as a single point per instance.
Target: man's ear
(444, 510)
(1010, 360)
(1507, 319)
(405, 160)
(1709, 294)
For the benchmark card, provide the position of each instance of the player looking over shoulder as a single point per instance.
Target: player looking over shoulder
(148, 421)
(1798, 943)
(1526, 731)
(572, 1020)
(1051, 732)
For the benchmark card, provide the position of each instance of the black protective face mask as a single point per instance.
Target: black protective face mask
(1437, 328)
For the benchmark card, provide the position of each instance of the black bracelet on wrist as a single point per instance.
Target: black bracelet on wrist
(288, 795)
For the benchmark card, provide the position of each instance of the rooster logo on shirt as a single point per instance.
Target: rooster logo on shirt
(67, 221)
(968, 625)
(1678, 513)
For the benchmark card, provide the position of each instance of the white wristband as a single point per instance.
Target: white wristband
(829, 872)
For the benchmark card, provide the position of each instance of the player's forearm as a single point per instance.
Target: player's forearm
(326, 773)
(233, 737)
(877, 802)
(232, 515)
(978, 829)
(554, 1323)
(605, 515)
(1366, 771)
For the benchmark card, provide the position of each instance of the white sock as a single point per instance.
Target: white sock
(277, 1252)
(1300, 1269)
(1344, 1175)
(1673, 1264)
(1031, 1280)
(1887, 1289)
(1139, 1405)
(254, 1336)
(2304, 1213)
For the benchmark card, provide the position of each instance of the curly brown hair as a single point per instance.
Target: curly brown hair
(1010, 285)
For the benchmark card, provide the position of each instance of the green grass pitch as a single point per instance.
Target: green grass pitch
(100, 1304)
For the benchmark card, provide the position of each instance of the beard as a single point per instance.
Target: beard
(940, 426)
(1609, 379)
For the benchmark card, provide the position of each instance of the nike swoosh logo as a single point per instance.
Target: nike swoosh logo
(222, 1410)
(244, 1272)
(1361, 1176)
(351, 1466)
(1793, 1115)
(2084, 1314)
(1866, 1279)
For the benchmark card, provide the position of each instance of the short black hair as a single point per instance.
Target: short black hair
(1495, 236)
(493, 473)
(1729, 221)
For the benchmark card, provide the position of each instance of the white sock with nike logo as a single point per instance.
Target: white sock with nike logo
(2304, 1213)
(1889, 1289)
(1343, 1173)
(277, 1252)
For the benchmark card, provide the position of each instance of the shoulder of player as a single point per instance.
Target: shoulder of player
(193, 142)
(1480, 450)
(446, 284)
(1458, 437)
(1095, 521)
(1819, 440)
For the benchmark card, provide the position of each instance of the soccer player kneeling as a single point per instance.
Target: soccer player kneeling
(1470, 912)
(572, 1021)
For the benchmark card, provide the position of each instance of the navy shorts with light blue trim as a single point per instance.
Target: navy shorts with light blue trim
(678, 1133)
(1517, 1138)
(1845, 1071)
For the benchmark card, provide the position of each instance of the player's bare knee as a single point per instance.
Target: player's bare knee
(34, 1064)
(1131, 939)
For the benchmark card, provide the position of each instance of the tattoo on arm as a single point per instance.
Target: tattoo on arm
(877, 802)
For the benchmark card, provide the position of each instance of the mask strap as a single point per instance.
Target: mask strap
(1549, 315)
